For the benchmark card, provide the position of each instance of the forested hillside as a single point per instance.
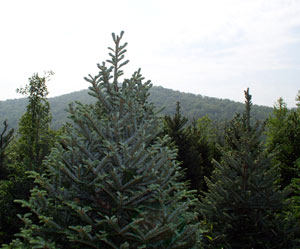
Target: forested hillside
(192, 106)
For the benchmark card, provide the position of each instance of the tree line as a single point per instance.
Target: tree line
(121, 175)
(192, 106)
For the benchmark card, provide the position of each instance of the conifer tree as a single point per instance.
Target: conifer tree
(283, 137)
(189, 158)
(288, 156)
(204, 137)
(195, 150)
(5, 139)
(295, 198)
(242, 206)
(111, 182)
(6, 136)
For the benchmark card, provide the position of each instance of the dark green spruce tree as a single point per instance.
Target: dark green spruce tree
(5, 139)
(189, 158)
(6, 136)
(203, 137)
(195, 149)
(295, 197)
(295, 185)
(111, 182)
(243, 204)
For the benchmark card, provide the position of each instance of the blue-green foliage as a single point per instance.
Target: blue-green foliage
(110, 182)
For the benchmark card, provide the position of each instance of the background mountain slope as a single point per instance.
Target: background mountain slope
(192, 106)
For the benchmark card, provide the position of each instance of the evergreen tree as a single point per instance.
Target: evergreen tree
(5, 138)
(195, 146)
(184, 142)
(295, 198)
(111, 182)
(205, 135)
(26, 153)
(174, 126)
(288, 156)
(243, 204)
(283, 138)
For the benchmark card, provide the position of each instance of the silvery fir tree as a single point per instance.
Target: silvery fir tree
(110, 181)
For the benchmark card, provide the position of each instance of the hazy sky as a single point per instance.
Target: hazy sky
(215, 48)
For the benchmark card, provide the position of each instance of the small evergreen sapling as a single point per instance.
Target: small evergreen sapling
(111, 182)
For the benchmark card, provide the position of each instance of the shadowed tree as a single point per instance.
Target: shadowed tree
(195, 144)
(243, 205)
(5, 139)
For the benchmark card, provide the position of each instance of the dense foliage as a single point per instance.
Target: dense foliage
(120, 174)
(196, 146)
(283, 136)
(34, 126)
(5, 139)
(110, 182)
(32, 143)
(243, 207)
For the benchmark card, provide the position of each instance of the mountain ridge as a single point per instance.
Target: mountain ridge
(193, 106)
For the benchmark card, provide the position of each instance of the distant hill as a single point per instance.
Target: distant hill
(192, 106)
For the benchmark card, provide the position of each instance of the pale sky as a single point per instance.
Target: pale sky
(215, 48)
